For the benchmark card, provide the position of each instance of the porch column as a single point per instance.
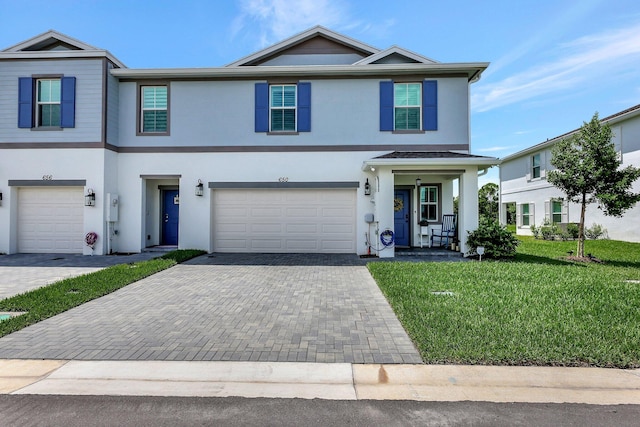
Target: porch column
(384, 210)
(468, 206)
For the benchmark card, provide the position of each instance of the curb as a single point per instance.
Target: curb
(333, 381)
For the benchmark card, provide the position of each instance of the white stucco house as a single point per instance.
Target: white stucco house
(319, 143)
(523, 183)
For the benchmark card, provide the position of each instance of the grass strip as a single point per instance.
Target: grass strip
(65, 294)
(535, 310)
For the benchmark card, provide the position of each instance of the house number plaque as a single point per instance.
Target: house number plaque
(47, 177)
(283, 179)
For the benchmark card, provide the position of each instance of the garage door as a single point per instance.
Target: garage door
(50, 220)
(283, 221)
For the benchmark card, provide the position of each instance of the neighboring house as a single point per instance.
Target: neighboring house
(523, 183)
(289, 149)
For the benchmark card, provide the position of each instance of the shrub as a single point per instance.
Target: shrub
(535, 231)
(548, 230)
(572, 230)
(498, 242)
(595, 232)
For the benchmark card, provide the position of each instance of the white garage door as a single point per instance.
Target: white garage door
(283, 221)
(50, 220)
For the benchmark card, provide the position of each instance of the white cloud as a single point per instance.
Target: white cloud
(580, 61)
(275, 20)
(494, 149)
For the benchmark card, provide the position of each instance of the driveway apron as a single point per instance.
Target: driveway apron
(304, 308)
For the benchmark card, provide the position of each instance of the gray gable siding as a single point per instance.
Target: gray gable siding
(88, 111)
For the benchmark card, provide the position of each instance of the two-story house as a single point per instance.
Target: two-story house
(524, 185)
(319, 143)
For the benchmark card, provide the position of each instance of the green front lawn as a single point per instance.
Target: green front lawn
(535, 310)
(45, 302)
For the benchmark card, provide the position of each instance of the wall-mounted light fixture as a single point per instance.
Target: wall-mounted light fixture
(0, 199)
(90, 198)
(418, 182)
(200, 189)
(367, 188)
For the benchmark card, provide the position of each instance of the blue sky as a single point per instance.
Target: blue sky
(553, 63)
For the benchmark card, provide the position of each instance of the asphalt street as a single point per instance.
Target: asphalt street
(71, 411)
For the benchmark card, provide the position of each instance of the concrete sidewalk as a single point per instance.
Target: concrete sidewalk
(335, 381)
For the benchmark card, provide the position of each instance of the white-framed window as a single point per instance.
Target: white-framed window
(154, 109)
(48, 102)
(526, 214)
(282, 108)
(429, 203)
(407, 101)
(535, 166)
(556, 211)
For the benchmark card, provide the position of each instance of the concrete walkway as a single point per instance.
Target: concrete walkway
(336, 381)
(279, 308)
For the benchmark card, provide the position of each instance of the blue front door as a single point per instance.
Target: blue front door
(401, 217)
(170, 216)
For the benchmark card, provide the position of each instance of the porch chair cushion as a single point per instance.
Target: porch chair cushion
(447, 233)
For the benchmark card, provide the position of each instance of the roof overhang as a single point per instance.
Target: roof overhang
(427, 164)
(471, 71)
(610, 120)
(61, 54)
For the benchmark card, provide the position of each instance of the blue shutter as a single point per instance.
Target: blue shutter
(430, 105)
(25, 102)
(304, 107)
(68, 102)
(262, 107)
(386, 106)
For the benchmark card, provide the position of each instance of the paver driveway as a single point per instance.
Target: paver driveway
(311, 308)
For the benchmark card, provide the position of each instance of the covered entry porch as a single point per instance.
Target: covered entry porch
(411, 192)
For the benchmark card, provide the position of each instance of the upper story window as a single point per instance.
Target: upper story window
(48, 102)
(535, 166)
(282, 108)
(154, 109)
(407, 106)
(429, 203)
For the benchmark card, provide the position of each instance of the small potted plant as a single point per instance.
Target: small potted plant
(423, 223)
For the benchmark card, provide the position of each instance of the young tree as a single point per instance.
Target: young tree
(588, 170)
(488, 201)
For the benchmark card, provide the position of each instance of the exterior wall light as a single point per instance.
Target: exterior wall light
(418, 182)
(200, 189)
(0, 199)
(90, 198)
(367, 188)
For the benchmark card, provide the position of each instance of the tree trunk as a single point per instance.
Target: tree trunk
(583, 208)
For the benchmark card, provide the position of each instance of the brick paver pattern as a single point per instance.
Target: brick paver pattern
(276, 310)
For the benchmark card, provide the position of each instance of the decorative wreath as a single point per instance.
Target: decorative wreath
(386, 238)
(398, 204)
(90, 239)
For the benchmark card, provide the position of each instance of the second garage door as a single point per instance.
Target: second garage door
(284, 221)
(50, 220)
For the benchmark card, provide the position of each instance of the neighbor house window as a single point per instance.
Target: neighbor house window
(535, 166)
(556, 211)
(282, 108)
(527, 219)
(47, 102)
(407, 106)
(429, 203)
(154, 109)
